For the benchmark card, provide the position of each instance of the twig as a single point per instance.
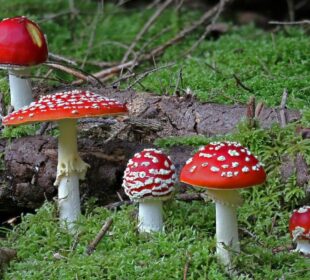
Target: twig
(75, 72)
(119, 196)
(146, 27)
(254, 236)
(241, 84)
(145, 74)
(107, 72)
(92, 246)
(186, 266)
(180, 79)
(54, 16)
(283, 115)
(59, 58)
(306, 21)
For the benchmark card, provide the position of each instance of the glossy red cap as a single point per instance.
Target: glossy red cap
(299, 225)
(223, 165)
(66, 105)
(149, 174)
(22, 43)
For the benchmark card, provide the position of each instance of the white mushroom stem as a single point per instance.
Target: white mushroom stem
(69, 200)
(70, 169)
(20, 89)
(150, 216)
(303, 246)
(226, 223)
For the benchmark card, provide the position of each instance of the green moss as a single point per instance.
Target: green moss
(123, 254)
(265, 62)
(19, 131)
(189, 230)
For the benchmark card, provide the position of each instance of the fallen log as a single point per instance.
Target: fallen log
(30, 162)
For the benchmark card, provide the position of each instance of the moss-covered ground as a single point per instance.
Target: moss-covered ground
(266, 62)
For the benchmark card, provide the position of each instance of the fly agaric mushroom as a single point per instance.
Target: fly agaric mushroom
(149, 179)
(300, 229)
(223, 168)
(66, 108)
(22, 44)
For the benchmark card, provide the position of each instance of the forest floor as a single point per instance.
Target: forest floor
(228, 67)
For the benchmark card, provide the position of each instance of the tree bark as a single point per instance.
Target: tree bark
(107, 144)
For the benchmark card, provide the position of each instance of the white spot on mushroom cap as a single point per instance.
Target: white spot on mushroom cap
(221, 158)
(192, 169)
(233, 153)
(235, 164)
(303, 209)
(189, 160)
(214, 169)
(205, 155)
(245, 169)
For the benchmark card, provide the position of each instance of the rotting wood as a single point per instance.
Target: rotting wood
(30, 162)
(6, 255)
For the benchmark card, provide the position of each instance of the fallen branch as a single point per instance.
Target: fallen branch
(157, 51)
(186, 266)
(300, 22)
(92, 246)
(59, 58)
(75, 72)
(107, 72)
(145, 74)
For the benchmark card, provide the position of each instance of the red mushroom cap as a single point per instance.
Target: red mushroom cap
(223, 165)
(299, 225)
(149, 174)
(67, 105)
(22, 43)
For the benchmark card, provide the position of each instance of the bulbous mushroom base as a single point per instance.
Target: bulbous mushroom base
(227, 239)
(69, 200)
(150, 216)
(303, 246)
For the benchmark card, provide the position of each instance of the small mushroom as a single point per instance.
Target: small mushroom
(66, 108)
(222, 168)
(149, 179)
(22, 45)
(299, 227)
